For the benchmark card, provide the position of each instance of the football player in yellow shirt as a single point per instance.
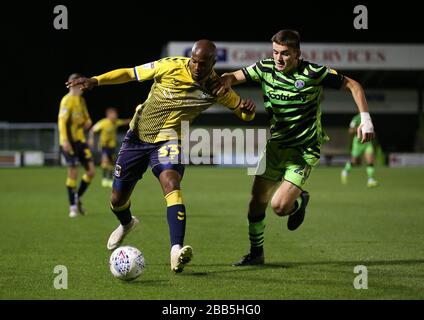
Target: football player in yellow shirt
(107, 127)
(180, 92)
(73, 119)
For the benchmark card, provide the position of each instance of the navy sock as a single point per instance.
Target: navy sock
(176, 214)
(85, 182)
(123, 213)
(177, 222)
(71, 195)
(70, 187)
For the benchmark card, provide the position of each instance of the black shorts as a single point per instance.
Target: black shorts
(81, 153)
(135, 156)
(109, 153)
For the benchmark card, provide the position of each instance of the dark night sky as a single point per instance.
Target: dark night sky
(106, 35)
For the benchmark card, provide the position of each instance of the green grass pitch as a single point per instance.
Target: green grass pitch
(345, 226)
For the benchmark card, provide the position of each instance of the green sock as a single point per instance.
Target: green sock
(256, 234)
(348, 166)
(370, 171)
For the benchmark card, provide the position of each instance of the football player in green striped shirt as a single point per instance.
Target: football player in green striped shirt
(357, 151)
(291, 89)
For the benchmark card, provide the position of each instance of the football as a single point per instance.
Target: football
(126, 263)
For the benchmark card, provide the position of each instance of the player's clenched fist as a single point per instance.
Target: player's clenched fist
(247, 106)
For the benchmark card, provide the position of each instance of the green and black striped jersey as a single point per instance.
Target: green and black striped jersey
(293, 101)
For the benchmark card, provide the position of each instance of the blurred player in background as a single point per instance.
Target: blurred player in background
(182, 89)
(73, 120)
(358, 149)
(292, 89)
(107, 127)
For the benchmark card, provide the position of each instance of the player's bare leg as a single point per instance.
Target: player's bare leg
(120, 204)
(107, 171)
(85, 182)
(176, 213)
(290, 200)
(346, 170)
(261, 194)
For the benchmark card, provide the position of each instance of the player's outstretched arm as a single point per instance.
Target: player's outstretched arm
(245, 110)
(223, 84)
(365, 131)
(112, 77)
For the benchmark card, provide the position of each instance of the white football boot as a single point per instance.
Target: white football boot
(81, 209)
(343, 176)
(105, 183)
(120, 233)
(73, 211)
(180, 257)
(372, 183)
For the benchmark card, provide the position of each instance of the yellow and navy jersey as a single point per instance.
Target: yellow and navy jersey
(107, 129)
(174, 97)
(73, 115)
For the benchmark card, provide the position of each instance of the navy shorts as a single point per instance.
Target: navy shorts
(81, 153)
(135, 156)
(109, 153)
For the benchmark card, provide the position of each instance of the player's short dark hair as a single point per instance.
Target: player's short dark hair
(289, 38)
(75, 76)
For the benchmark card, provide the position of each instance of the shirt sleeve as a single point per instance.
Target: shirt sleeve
(231, 100)
(120, 122)
(64, 114)
(331, 79)
(116, 76)
(253, 72)
(98, 126)
(150, 70)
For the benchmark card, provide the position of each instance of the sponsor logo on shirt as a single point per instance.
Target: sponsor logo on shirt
(149, 65)
(284, 97)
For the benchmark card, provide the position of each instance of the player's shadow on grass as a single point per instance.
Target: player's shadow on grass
(289, 265)
(230, 269)
(347, 263)
(147, 283)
